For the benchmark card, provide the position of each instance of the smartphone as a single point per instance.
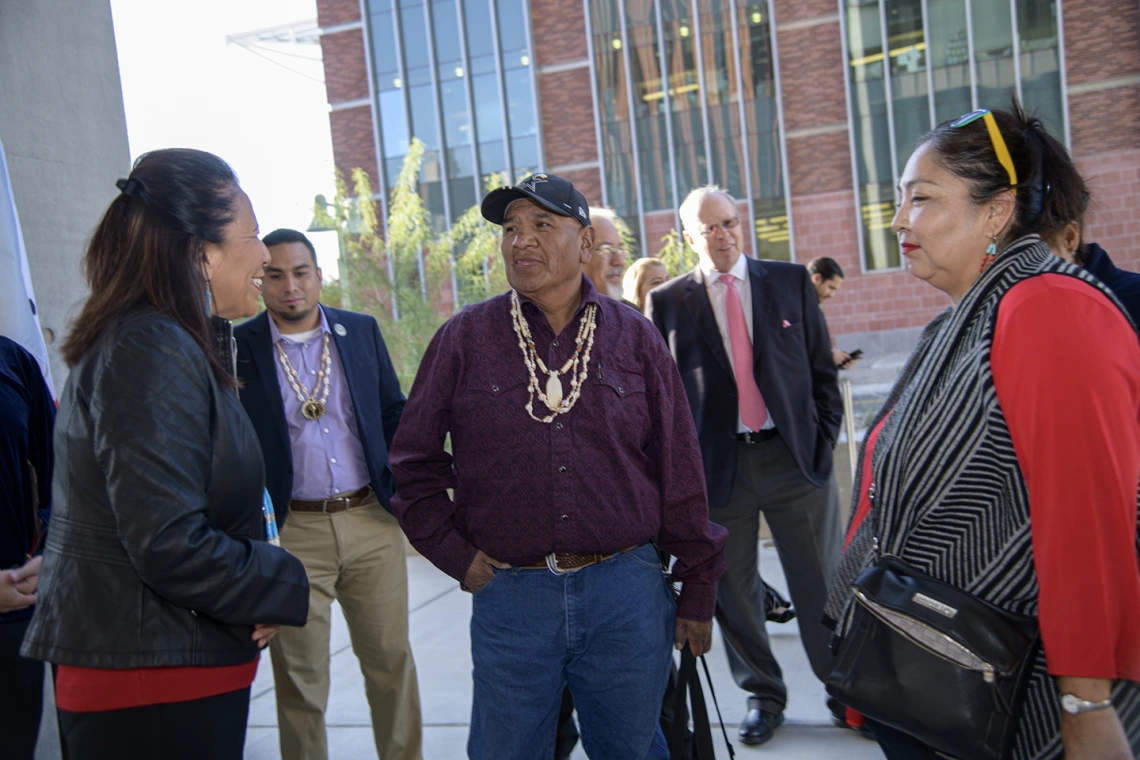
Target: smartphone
(857, 354)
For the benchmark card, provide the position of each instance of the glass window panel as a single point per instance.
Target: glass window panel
(524, 153)
(477, 23)
(463, 196)
(460, 162)
(432, 194)
(761, 114)
(376, 6)
(488, 116)
(414, 37)
(872, 132)
(453, 98)
(949, 53)
(993, 52)
(685, 95)
(613, 110)
(383, 46)
(1040, 63)
(649, 100)
(520, 103)
(423, 116)
(512, 26)
(771, 223)
(720, 93)
(906, 47)
(492, 157)
(445, 23)
(393, 131)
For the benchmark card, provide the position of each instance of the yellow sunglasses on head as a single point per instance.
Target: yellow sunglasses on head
(998, 141)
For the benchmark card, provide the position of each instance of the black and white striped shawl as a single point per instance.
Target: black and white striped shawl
(950, 498)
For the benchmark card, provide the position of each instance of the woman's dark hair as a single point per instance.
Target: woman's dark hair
(1050, 191)
(150, 248)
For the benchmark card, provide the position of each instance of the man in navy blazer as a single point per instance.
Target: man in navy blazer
(755, 358)
(322, 393)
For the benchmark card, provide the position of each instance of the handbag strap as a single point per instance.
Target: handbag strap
(689, 680)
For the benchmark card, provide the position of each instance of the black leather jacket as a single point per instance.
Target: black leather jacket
(156, 554)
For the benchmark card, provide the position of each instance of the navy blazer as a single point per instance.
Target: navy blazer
(792, 365)
(372, 383)
(1125, 285)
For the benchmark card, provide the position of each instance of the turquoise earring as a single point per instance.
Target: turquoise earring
(990, 255)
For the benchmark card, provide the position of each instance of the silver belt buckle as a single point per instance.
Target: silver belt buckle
(552, 565)
(326, 502)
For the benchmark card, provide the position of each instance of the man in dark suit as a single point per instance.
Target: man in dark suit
(755, 359)
(322, 393)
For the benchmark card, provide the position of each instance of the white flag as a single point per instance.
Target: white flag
(19, 317)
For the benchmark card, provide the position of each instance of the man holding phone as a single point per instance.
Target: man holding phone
(827, 276)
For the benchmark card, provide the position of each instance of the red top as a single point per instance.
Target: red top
(1066, 368)
(96, 689)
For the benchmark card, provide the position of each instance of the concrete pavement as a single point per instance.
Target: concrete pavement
(439, 629)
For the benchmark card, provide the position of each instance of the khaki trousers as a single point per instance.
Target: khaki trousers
(357, 558)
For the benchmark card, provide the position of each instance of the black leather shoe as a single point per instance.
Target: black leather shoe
(758, 726)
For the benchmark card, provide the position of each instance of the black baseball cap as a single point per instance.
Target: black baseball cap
(552, 193)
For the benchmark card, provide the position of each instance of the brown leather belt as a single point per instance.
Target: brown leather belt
(336, 504)
(560, 564)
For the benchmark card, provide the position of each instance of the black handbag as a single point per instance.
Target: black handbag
(689, 680)
(935, 662)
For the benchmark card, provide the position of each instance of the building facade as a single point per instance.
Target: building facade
(805, 110)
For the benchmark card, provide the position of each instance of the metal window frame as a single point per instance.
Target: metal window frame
(667, 103)
(847, 68)
(1014, 32)
(972, 55)
(929, 67)
(531, 54)
(1064, 74)
(699, 52)
(743, 116)
(381, 162)
(469, 92)
(500, 80)
(783, 135)
(632, 105)
(594, 97)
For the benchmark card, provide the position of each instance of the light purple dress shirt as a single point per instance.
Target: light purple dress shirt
(328, 457)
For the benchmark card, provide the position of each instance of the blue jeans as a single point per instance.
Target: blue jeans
(606, 631)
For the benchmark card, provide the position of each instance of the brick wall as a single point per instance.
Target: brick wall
(346, 75)
(795, 10)
(353, 145)
(332, 12)
(567, 117)
(1102, 39)
(1114, 221)
(811, 74)
(559, 31)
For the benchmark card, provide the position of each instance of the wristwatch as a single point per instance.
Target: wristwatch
(1074, 705)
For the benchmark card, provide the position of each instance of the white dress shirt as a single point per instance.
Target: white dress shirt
(716, 291)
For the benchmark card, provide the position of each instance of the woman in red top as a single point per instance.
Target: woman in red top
(158, 589)
(1010, 448)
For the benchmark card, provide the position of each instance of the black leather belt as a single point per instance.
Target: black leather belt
(758, 437)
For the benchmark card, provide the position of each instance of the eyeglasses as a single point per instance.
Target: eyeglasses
(996, 139)
(609, 252)
(728, 225)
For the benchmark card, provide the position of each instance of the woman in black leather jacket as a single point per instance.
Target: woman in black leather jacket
(158, 588)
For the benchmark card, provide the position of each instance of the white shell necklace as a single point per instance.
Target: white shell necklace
(553, 397)
(311, 407)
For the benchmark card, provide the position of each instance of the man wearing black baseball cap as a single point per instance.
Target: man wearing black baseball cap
(572, 448)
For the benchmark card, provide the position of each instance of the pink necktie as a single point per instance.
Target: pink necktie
(753, 412)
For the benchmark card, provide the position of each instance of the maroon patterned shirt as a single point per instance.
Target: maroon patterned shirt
(621, 468)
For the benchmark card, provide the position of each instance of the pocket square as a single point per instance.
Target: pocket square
(786, 323)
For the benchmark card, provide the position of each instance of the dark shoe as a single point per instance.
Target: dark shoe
(839, 718)
(758, 726)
